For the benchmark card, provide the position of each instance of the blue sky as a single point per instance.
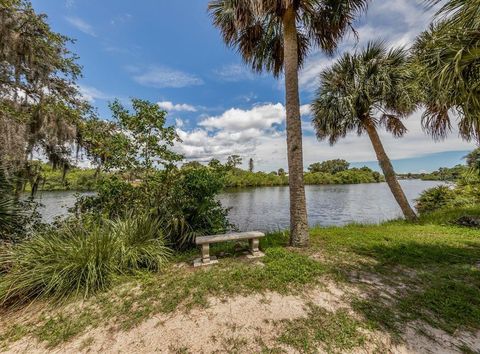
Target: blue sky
(169, 52)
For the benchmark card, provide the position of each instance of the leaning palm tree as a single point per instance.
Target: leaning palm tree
(275, 36)
(362, 92)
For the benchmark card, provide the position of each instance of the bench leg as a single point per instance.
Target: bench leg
(206, 259)
(254, 251)
(206, 253)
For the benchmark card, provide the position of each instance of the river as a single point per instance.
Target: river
(267, 208)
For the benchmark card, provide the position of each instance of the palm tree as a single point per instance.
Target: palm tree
(448, 59)
(275, 36)
(362, 92)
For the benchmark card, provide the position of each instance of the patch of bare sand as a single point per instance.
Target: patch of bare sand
(246, 324)
(223, 326)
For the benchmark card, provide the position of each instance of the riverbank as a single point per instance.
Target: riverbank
(81, 180)
(378, 288)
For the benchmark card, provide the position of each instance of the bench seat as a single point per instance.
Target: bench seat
(204, 242)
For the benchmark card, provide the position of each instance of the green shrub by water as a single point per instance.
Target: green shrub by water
(79, 259)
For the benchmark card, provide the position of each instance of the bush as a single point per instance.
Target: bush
(434, 199)
(79, 259)
(183, 201)
(463, 195)
(189, 206)
(57, 264)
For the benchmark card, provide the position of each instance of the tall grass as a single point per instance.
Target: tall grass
(140, 243)
(79, 259)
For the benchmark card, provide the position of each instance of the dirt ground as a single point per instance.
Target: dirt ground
(244, 324)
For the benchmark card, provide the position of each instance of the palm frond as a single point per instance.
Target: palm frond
(254, 27)
(358, 87)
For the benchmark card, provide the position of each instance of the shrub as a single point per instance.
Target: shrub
(462, 196)
(184, 201)
(434, 199)
(140, 243)
(189, 206)
(79, 259)
(58, 264)
(451, 216)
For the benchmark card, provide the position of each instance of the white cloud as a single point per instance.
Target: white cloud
(81, 25)
(234, 73)
(163, 77)
(91, 94)
(236, 131)
(179, 123)
(305, 110)
(258, 133)
(259, 117)
(179, 107)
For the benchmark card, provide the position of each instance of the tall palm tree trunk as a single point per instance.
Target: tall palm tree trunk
(298, 207)
(389, 173)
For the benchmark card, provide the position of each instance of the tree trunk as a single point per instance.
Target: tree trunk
(298, 207)
(389, 173)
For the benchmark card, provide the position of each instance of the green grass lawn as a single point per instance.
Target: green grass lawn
(421, 272)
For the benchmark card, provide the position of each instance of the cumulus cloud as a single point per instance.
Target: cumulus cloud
(259, 117)
(81, 25)
(236, 131)
(246, 132)
(259, 133)
(179, 107)
(163, 77)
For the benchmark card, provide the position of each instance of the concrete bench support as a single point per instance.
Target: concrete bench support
(204, 242)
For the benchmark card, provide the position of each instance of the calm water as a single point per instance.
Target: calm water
(266, 209)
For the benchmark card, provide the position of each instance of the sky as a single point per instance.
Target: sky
(168, 52)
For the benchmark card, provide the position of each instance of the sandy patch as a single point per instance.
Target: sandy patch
(246, 325)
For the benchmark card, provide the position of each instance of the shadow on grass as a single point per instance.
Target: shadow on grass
(436, 283)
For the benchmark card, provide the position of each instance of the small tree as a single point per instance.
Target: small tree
(330, 166)
(250, 165)
(473, 160)
(215, 164)
(150, 141)
(138, 140)
(233, 161)
(281, 172)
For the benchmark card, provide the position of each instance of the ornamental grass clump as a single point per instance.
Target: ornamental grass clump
(140, 244)
(57, 264)
(79, 260)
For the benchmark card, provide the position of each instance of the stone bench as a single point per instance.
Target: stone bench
(204, 242)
